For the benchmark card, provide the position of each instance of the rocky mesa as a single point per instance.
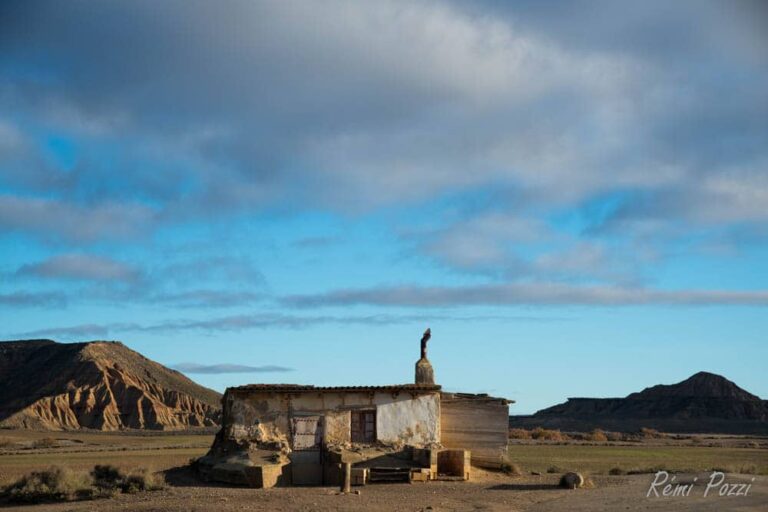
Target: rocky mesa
(100, 385)
(703, 403)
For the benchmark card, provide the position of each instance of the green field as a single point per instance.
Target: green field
(600, 459)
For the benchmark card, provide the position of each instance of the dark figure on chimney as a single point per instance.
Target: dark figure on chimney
(424, 340)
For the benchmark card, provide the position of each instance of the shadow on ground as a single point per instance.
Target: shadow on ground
(186, 476)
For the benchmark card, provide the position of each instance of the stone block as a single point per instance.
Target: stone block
(359, 476)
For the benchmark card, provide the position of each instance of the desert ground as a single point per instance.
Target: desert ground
(744, 460)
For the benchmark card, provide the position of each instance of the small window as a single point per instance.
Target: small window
(364, 427)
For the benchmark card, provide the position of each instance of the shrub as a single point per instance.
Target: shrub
(616, 471)
(554, 469)
(548, 435)
(615, 436)
(54, 484)
(142, 480)
(110, 478)
(511, 469)
(45, 442)
(106, 476)
(63, 484)
(598, 436)
(519, 433)
(650, 433)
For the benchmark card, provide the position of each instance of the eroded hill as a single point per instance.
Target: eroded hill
(99, 385)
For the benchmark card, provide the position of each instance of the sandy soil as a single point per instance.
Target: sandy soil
(488, 492)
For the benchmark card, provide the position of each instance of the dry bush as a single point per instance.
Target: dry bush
(143, 480)
(109, 478)
(542, 434)
(511, 469)
(45, 442)
(519, 433)
(63, 484)
(554, 469)
(615, 436)
(106, 477)
(598, 435)
(616, 471)
(651, 433)
(54, 484)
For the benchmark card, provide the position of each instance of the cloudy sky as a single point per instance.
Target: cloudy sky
(574, 196)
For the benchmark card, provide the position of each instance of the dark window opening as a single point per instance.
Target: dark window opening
(364, 427)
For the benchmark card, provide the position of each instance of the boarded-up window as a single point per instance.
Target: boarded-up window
(363, 426)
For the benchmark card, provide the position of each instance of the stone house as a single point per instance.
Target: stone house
(301, 434)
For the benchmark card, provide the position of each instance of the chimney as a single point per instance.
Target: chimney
(424, 372)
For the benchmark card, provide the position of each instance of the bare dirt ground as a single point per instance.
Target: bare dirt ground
(489, 492)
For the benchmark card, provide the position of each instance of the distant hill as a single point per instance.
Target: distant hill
(705, 403)
(99, 385)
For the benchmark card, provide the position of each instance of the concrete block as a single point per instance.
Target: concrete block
(266, 476)
(359, 476)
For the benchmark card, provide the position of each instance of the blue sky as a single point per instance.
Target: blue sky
(573, 196)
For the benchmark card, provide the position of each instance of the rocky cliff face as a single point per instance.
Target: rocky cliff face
(98, 385)
(704, 402)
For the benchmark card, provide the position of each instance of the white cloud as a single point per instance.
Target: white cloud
(81, 267)
(527, 294)
(60, 219)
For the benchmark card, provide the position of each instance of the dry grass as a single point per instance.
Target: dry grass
(519, 433)
(81, 451)
(111, 478)
(14, 466)
(54, 484)
(65, 484)
(542, 434)
(538, 433)
(650, 433)
(43, 443)
(604, 458)
(511, 469)
(598, 436)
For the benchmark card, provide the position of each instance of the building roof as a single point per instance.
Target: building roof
(299, 388)
(477, 397)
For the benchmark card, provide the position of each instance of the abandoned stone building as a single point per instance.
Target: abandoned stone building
(289, 434)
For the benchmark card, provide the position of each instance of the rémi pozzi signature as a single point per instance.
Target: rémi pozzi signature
(664, 486)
